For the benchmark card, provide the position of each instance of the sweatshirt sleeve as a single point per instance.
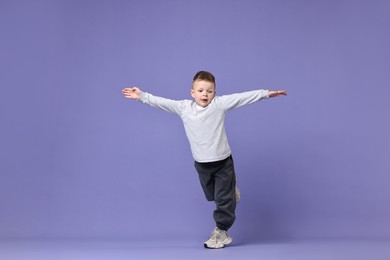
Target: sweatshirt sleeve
(228, 102)
(173, 106)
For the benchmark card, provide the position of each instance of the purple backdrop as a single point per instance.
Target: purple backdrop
(79, 160)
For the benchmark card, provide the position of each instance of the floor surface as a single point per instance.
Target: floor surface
(170, 249)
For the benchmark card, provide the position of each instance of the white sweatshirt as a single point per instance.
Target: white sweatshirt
(205, 127)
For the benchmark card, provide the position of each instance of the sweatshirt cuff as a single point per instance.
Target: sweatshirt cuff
(142, 97)
(266, 93)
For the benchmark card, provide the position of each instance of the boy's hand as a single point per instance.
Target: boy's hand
(133, 93)
(275, 93)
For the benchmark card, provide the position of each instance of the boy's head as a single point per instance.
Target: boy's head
(203, 88)
(204, 75)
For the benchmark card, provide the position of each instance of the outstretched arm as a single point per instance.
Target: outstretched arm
(275, 93)
(154, 101)
(228, 102)
(133, 93)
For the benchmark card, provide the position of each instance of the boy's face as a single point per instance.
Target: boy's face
(203, 92)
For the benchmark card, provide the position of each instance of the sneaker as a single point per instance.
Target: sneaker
(218, 239)
(238, 195)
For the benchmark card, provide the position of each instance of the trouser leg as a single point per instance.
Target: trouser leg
(206, 178)
(225, 196)
(218, 181)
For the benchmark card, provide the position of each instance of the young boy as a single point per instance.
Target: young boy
(203, 120)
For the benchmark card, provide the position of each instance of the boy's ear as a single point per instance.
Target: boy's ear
(192, 92)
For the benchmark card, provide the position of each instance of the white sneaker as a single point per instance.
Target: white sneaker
(218, 239)
(238, 195)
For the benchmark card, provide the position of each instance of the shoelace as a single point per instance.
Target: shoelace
(215, 235)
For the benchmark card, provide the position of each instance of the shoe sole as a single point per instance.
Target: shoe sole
(224, 243)
(205, 246)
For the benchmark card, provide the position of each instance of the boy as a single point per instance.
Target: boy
(203, 120)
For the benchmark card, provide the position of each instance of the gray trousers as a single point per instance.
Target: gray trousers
(218, 181)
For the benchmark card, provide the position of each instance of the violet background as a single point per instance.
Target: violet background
(78, 160)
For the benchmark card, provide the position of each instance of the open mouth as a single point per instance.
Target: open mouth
(204, 100)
